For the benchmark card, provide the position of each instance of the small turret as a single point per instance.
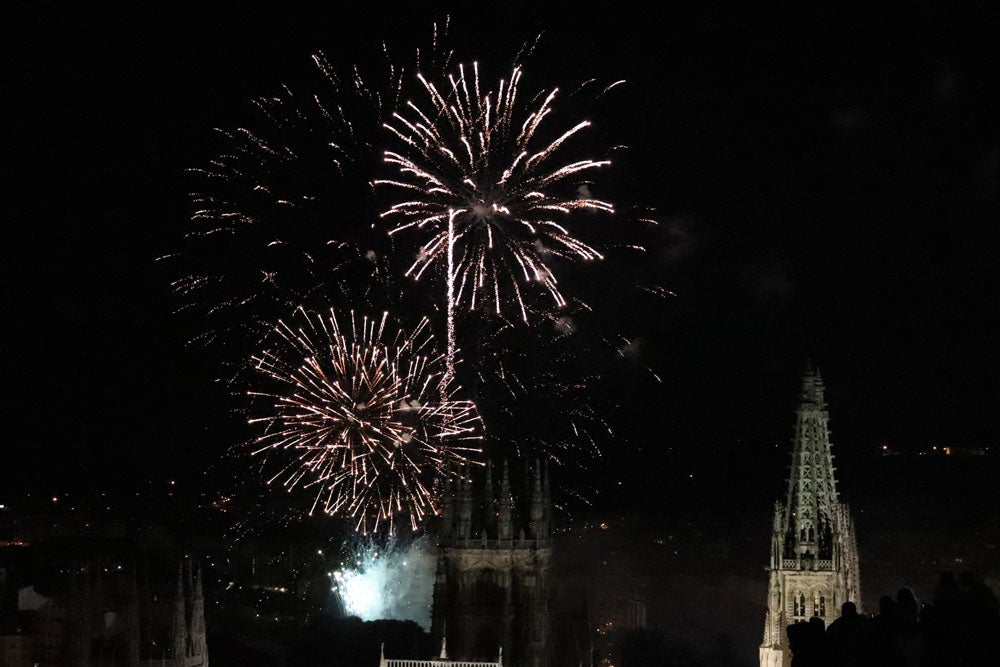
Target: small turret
(538, 528)
(777, 535)
(504, 531)
(547, 499)
(448, 506)
(464, 504)
(489, 507)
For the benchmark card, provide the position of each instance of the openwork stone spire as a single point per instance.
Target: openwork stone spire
(812, 501)
(814, 555)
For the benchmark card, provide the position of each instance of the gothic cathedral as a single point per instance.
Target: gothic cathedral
(814, 555)
(492, 589)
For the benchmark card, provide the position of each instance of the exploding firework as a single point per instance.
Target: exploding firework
(490, 194)
(361, 416)
(285, 215)
(393, 581)
(282, 213)
(279, 218)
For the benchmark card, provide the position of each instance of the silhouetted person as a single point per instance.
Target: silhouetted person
(908, 638)
(806, 643)
(940, 622)
(847, 638)
(884, 651)
(961, 628)
(947, 597)
(977, 595)
(978, 632)
(906, 606)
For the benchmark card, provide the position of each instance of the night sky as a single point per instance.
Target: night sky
(827, 183)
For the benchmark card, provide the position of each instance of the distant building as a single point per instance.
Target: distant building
(108, 619)
(814, 555)
(493, 591)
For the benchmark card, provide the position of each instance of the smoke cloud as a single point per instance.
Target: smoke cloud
(394, 581)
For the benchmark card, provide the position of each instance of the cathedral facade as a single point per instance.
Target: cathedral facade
(492, 588)
(813, 567)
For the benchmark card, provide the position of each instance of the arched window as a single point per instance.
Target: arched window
(802, 604)
(796, 604)
(816, 603)
(812, 534)
(822, 605)
(487, 592)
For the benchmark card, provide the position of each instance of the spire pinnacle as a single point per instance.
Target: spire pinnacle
(812, 489)
(812, 388)
(465, 504)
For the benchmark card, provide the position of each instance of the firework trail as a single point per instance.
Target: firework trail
(488, 192)
(361, 416)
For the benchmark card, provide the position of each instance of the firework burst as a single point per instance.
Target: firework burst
(484, 187)
(361, 416)
(490, 193)
(282, 212)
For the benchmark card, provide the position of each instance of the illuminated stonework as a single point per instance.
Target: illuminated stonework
(492, 590)
(814, 555)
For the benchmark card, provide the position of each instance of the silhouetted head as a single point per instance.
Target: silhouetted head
(946, 581)
(947, 589)
(886, 605)
(906, 598)
(967, 580)
(848, 609)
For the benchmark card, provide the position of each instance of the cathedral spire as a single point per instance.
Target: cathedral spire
(179, 634)
(132, 634)
(198, 644)
(812, 490)
(814, 557)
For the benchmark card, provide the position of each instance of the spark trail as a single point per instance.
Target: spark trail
(490, 194)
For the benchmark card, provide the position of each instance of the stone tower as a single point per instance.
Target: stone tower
(188, 643)
(814, 556)
(492, 588)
